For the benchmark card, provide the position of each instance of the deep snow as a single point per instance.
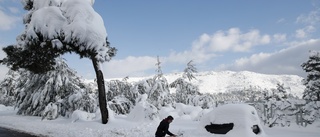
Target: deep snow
(82, 125)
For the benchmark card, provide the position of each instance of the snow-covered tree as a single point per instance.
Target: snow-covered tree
(205, 101)
(54, 93)
(158, 70)
(156, 89)
(281, 92)
(312, 82)
(143, 110)
(7, 88)
(55, 27)
(121, 96)
(184, 90)
(158, 92)
(189, 70)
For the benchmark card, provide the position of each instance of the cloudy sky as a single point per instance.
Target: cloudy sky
(270, 37)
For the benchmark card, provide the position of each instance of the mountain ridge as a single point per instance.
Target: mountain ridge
(224, 81)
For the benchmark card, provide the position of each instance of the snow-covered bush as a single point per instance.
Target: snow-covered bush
(50, 112)
(120, 105)
(60, 87)
(157, 90)
(184, 90)
(205, 101)
(159, 94)
(312, 112)
(143, 110)
(82, 115)
(187, 111)
(7, 88)
(121, 88)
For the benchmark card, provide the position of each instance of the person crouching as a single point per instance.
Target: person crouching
(163, 127)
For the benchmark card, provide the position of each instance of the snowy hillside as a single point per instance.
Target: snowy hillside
(215, 82)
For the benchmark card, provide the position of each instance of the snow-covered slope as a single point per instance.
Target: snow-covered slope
(215, 82)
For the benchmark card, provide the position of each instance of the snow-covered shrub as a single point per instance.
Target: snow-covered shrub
(143, 110)
(82, 115)
(288, 112)
(79, 100)
(157, 90)
(188, 111)
(312, 112)
(120, 105)
(61, 87)
(121, 88)
(184, 90)
(159, 94)
(50, 112)
(205, 101)
(7, 88)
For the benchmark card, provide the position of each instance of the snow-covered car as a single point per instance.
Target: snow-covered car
(233, 120)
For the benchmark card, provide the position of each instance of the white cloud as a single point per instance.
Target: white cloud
(7, 21)
(14, 10)
(198, 53)
(311, 19)
(203, 50)
(130, 66)
(305, 32)
(286, 61)
(279, 37)
(253, 60)
(232, 40)
(282, 20)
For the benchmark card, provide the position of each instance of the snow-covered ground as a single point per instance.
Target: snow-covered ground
(122, 126)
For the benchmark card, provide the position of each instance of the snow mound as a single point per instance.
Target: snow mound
(5, 108)
(82, 116)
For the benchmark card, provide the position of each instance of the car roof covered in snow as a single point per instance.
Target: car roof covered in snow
(233, 113)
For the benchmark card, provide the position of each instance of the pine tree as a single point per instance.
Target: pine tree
(189, 70)
(184, 89)
(55, 27)
(281, 92)
(312, 82)
(158, 92)
(54, 93)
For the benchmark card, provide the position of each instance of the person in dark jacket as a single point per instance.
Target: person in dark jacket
(163, 127)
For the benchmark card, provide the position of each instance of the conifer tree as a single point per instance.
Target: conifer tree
(312, 82)
(158, 93)
(184, 89)
(54, 93)
(189, 70)
(55, 27)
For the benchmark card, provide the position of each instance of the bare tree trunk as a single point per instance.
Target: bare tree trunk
(102, 92)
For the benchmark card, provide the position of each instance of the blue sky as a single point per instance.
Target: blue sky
(271, 37)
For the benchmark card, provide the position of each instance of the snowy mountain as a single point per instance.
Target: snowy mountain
(223, 81)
